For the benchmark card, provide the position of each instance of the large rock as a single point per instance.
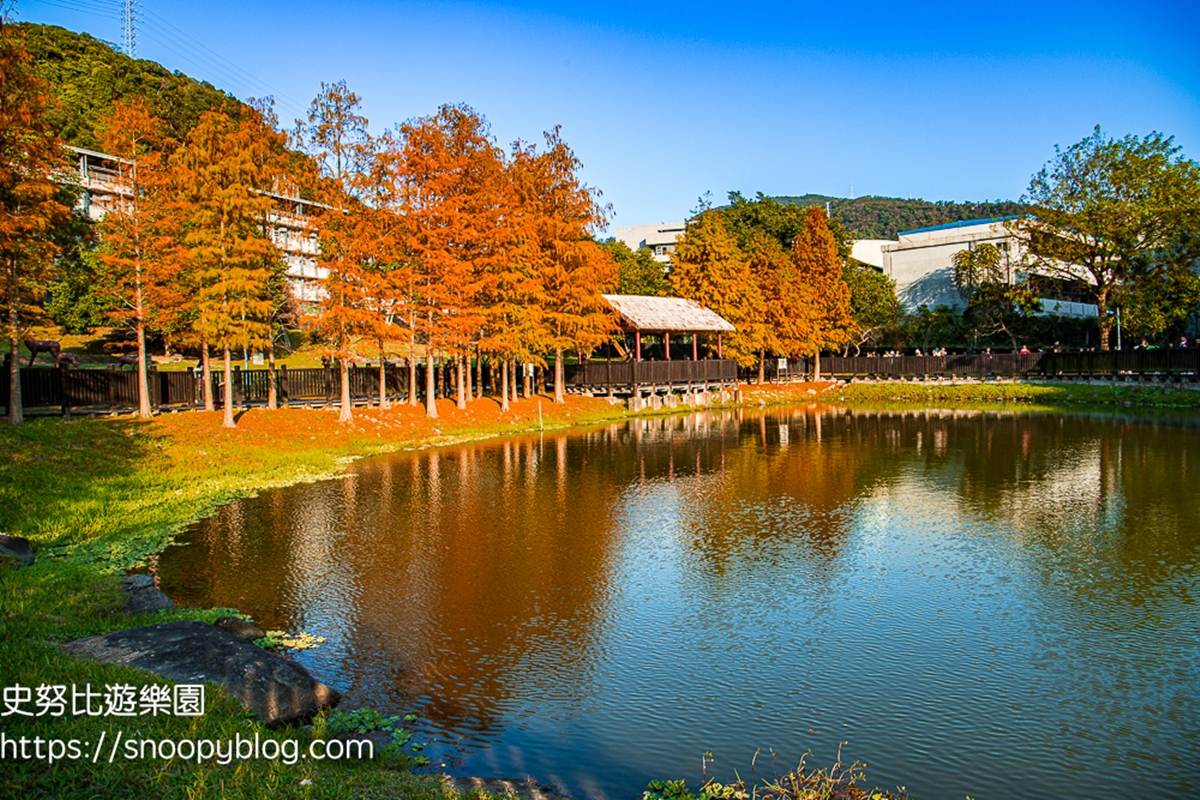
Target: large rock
(241, 629)
(142, 596)
(17, 548)
(271, 687)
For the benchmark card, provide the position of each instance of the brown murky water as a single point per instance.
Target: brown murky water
(984, 604)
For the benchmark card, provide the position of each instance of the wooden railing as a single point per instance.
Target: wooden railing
(979, 364)
(112, 390)
(630, 376)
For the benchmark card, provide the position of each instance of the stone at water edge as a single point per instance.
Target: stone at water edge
(242, 629)
(271, 687)
(16, 547)
(142, 595)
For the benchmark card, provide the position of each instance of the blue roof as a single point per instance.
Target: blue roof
(964, 223)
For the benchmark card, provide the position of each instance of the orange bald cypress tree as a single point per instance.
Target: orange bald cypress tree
(573, 270)
(453, 189)
(31, 204)
(136, 268)
(819, 270)
(784, 325)
(336, 136)
(219, 188)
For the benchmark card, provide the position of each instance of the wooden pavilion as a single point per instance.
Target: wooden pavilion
(668, 317)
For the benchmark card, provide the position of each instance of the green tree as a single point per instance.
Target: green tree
(637, 271)
(780, 220)
(976, 266)
(1102, 204)
(874, 307)
(998, 307)
(941, 326)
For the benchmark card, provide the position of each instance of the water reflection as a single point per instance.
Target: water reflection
(964, 596)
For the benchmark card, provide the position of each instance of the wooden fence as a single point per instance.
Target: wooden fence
(966, 364)
(632, 377)
(47, 389)
(115, 390)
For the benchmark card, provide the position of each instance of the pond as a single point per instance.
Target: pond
(976, 603)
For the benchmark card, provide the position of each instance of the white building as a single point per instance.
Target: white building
(659, 239)
(291, 230)
(922, 264)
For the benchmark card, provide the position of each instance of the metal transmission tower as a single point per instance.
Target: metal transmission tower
(130, 18)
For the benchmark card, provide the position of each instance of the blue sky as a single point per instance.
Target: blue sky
(664, 101)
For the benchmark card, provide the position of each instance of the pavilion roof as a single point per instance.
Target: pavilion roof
(666, 314)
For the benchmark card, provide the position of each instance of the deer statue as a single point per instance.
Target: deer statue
(36, 346)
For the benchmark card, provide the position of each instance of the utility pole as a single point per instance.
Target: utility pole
(130, 19)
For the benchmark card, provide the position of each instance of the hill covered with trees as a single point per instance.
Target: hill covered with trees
(86, 76)
(885, 217)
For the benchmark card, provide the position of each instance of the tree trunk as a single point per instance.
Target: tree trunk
(272, 389)
(528, 370)
(515, 378)
(143, 372)
(559, 397)
(227, 397)
(206, 376)
(16, 414)
(347, 411)
(430, 388)
(470, 392)
(460, 393)
(478, 373)
(762, 367)
(817, 366)
(412, 371)
(504, 384)
(1103, 319)
(383, 401)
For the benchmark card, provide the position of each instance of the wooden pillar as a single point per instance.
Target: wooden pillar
(155, 387)
(667, 344)
(64, 390)
(283, 386)
(238, 394)
(695, 348)
(328, 380)
(720, 350)
(191, 401)
(637, 345)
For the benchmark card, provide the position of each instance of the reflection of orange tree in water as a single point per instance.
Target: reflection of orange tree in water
(486, 577)
(787, 481)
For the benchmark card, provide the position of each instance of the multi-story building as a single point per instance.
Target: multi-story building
(290, 224)
(658, 239)
(921, 263)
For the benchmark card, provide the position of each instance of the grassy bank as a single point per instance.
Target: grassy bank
(1009, 394)
(97, 497)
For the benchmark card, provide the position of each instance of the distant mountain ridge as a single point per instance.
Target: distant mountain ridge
(87, 76)
(886, 217)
